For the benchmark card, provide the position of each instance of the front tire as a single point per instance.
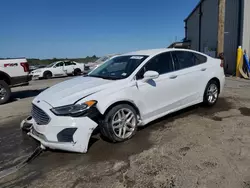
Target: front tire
(211, 93)
(5, 92)
(47, 75)
(120, 123)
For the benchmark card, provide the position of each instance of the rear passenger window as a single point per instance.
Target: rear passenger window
(183, 59)
(59, 64)
(199, 59)
(161, 63)
(67, 63)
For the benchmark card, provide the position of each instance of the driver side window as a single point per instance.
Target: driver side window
(161, 63)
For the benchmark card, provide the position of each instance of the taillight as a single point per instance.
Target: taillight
(222, 64)
(221, 57)
(25, 67)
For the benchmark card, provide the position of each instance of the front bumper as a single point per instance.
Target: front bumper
(35, 76)
(222, 83)
(62, 133)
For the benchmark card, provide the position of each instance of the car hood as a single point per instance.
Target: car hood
(39, 70)
(70, 91)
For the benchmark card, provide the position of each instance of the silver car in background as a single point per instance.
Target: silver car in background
(92, 65)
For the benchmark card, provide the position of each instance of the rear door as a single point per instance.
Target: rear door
(190, 70)
(58, 69)
(69, 67)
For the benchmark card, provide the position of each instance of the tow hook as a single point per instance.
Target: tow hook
(26, 125)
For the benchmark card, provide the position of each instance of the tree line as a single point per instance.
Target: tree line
(34, 61)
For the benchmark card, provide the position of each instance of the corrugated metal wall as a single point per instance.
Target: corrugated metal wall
(246, 26)
(209, 25)
(209, 29)
(231, 35)
(193, 30)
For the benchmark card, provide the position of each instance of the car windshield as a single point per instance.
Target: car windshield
(119, 67)
(51, 65)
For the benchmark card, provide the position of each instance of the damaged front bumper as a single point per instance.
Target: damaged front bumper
(62, 133)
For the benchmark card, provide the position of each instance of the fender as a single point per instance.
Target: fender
(5, 77)
(121, 101)
(104, 109)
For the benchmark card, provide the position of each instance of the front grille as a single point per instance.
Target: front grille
(40, 117)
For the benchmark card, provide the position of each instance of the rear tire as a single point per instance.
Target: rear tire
(47, 75)
(120, 123)
(5, 92)
(211, 93)
(77, 72)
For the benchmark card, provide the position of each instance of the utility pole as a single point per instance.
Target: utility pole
(221, 27)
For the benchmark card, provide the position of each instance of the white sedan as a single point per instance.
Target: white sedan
(123, 93)
(58, 69)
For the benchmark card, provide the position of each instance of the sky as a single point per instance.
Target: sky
(79, 28)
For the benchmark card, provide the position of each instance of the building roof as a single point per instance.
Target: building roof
(197, 6)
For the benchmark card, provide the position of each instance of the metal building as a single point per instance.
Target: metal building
(201, 29)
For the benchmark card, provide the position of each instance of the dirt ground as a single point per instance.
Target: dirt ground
(195, 148)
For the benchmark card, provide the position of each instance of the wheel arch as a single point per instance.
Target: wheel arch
(47, 71)
(216, 80)
(131, 103)
(77, 70)
(4, 76)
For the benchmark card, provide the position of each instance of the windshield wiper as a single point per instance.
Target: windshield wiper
(95, 76)
(104, 77)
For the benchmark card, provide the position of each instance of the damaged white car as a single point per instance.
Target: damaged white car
(125, 92)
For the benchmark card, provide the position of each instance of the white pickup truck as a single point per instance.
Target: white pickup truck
(13, 72)
(58, 69)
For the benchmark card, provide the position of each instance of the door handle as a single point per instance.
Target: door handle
(203, 69)
(173, 77)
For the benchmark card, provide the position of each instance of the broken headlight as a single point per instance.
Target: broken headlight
(74, 109)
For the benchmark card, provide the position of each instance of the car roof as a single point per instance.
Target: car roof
(153, 52)
(150, 52)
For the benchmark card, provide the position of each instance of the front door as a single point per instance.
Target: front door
(158, 96)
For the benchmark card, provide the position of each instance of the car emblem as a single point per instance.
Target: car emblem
(38, 101)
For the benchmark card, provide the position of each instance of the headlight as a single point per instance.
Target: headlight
(74, 109)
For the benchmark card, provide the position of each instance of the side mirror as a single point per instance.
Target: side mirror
(150, 75)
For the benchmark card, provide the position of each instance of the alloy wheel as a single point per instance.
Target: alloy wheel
(124, 123)
(3, 92)
(212, 93)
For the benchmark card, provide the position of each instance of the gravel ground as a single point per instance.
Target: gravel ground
(197, 147)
